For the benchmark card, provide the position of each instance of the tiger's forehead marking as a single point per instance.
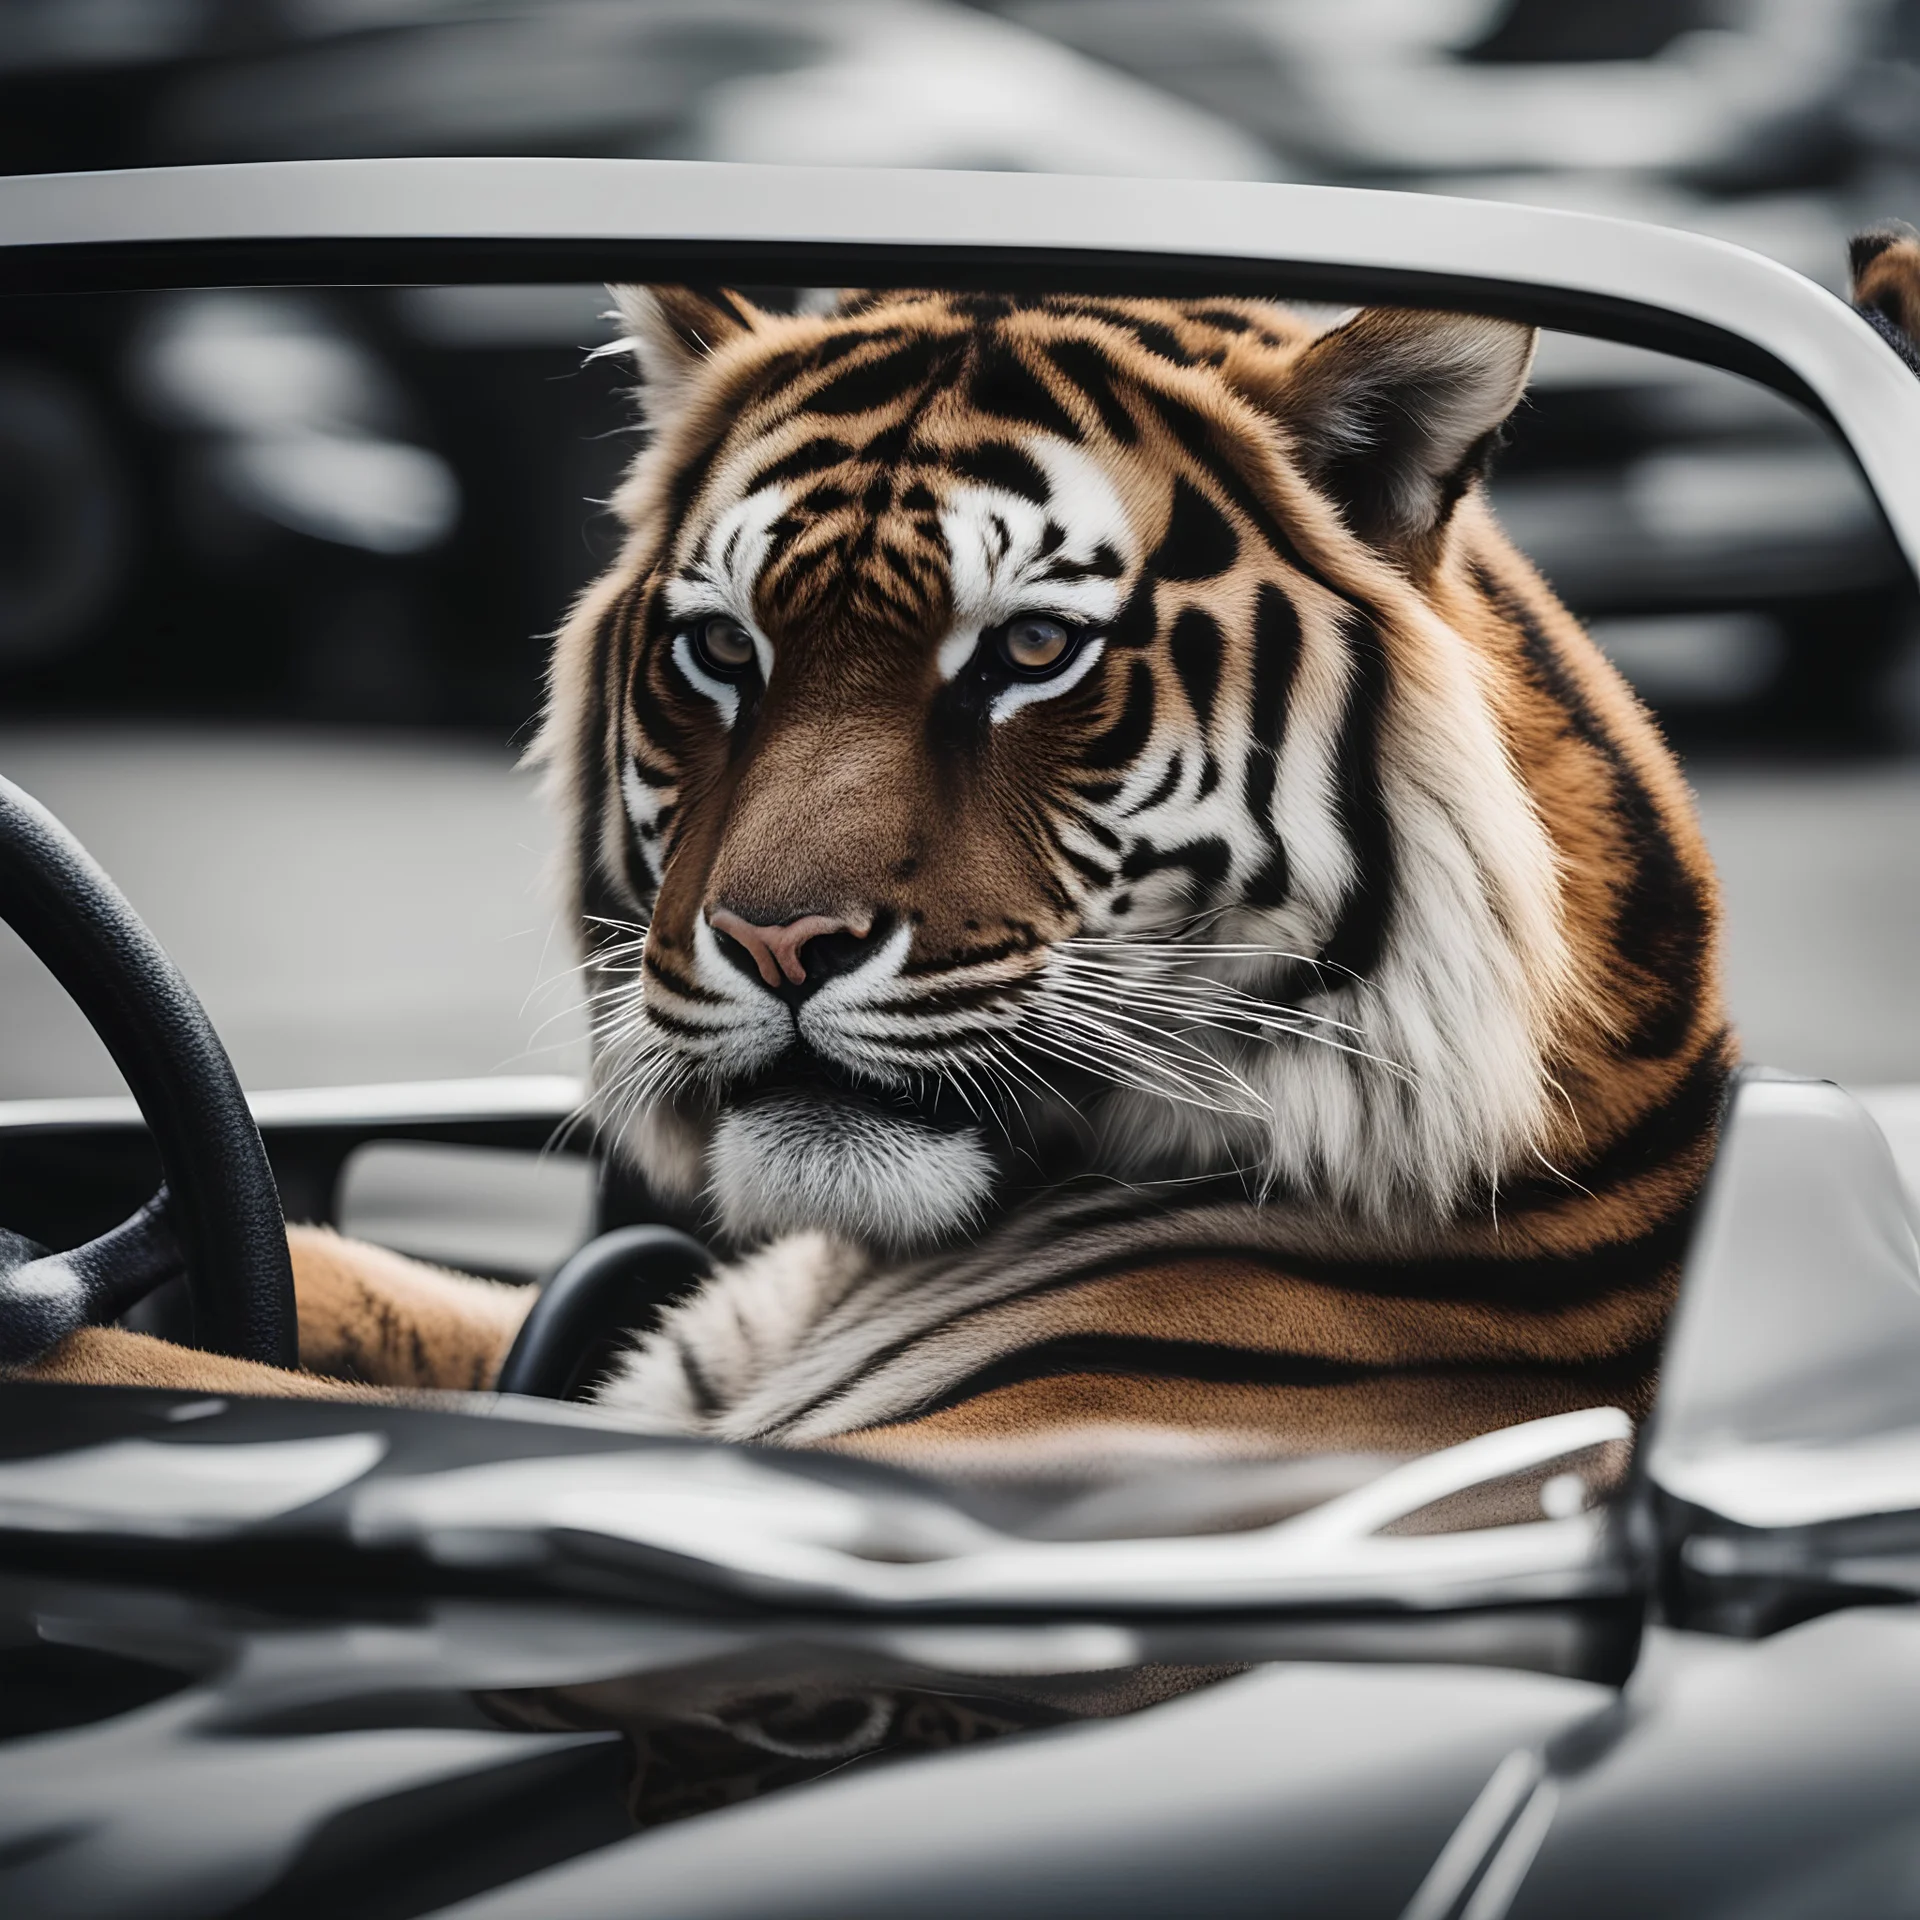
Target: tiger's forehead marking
(1059, 542)
(1027, 525)
(720, 564)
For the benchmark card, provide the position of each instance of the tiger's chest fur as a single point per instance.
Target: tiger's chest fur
(1126, 905)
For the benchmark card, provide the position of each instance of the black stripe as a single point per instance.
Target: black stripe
(920, 1045)
(687, 1029)
(1269, 883)
(998, 463)
(594, 749)
(1207, 862)
(1537, 1285)
(875, 596)
(1105, 565)
(981, 307)
(704, 1397)
(1126, 739)
(877, 382)
(770, 377)
(677, 982)
(913, 564)
(1151, 335)
(788, 570)
(1197, 434)
(1098, 828)
(1021, 939)
(811, 456)
(1196, 646)
(1690, 1114)
(1089, 870)
(1157, 339)
(1139, 1358)
(1223, 318)
(1276, 660)
(1360, 934)
(1004, 386)
(1137, 624)
(1257, 775)
(1090, 372)
(662, 732)
(959, 996)
(837, 346)
(1168, 786)
(1199, 541)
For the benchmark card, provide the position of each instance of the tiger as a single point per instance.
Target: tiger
(1149, 931)
(1143, 930)
(1885, 266)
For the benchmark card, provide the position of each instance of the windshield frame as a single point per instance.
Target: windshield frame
(315, 222)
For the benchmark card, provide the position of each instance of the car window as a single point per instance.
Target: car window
(276, 567)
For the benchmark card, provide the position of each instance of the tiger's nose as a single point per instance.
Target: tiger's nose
(798, 955)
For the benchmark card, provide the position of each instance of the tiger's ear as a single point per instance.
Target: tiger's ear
(671, 332)
(1396, 413)
(1886, 286)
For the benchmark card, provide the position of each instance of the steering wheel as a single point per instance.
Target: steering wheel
(218, 1213)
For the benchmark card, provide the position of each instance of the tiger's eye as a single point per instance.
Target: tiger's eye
(1034, 642)
(723, 644)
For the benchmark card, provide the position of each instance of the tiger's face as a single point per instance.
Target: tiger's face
(1027, 737)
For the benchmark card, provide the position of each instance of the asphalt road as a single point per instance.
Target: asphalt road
(374, 908)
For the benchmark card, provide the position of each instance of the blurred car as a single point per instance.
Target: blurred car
(344, 507)
(284, 1658)
(382, 561)
(1776, 124)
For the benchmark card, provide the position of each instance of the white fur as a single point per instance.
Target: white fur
(1474, 974)
(996, 569)
(743, 1325)
(1026, 693)
(723, 693)
(880, 1180)
(723, 581)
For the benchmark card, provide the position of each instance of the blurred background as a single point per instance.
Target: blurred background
(275, 567)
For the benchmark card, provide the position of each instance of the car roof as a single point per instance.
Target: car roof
(547, 219)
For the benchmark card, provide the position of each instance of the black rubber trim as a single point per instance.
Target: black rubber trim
(104, 266)
(224, 1206)
(614, 1285)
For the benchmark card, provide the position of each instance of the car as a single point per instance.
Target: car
(287, 1657)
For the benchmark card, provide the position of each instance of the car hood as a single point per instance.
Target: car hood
(562, 1500)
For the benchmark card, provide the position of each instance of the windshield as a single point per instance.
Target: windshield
(1012, 912)
(283, 561)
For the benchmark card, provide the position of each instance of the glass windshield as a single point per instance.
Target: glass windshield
(1136, 813)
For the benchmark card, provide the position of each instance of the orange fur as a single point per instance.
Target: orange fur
(371, 1322)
